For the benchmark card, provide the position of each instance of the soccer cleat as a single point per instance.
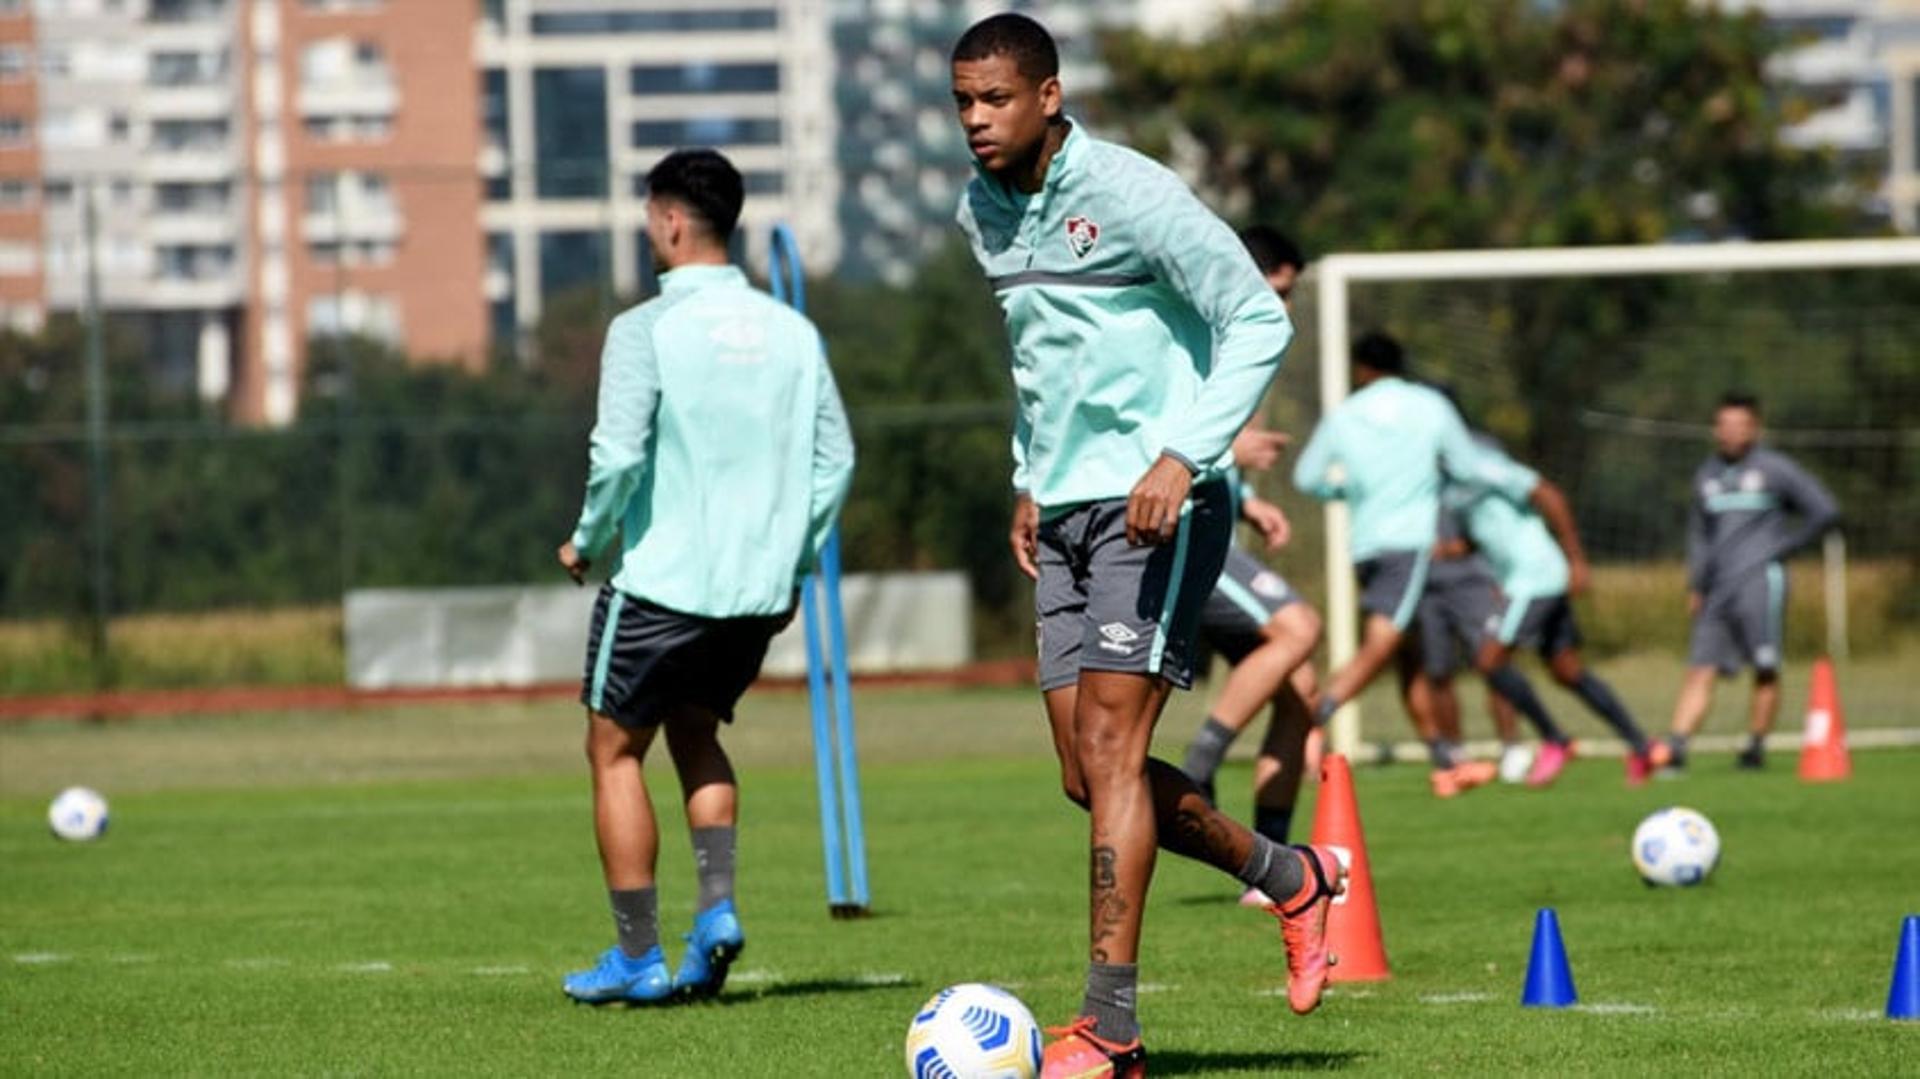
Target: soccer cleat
(1751, 759)
(1303, 927)
(1549, 762)
(1448, 782)
(619, 977)
(1640, 768)
(1077, 1053)
(713, 945)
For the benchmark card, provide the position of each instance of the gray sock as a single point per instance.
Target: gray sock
(1440, 753)
(1208, 749)
(1678, 744)
(636, 917)
(1111, 992)
(1329, 704)
(1510, 684)
(1273, 868)
(1273, 822)
(713, 857)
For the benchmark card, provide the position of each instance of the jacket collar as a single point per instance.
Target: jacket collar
(701, 276)
(1058, 170)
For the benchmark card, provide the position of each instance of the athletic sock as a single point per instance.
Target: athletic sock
(1756, 745)
(1111, 992)
(1677, 748)
(713, 858)
(1600, 697)
(1274, 823)
(1440, 754)
(1329, 704)
(636, 917)
(1509, 684)
(1208, 749)
(1274, 868)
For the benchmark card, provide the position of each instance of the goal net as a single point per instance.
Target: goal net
(1600, 367)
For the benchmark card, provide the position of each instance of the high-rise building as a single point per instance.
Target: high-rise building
(903, 161)
(257, 173)
(582, 97)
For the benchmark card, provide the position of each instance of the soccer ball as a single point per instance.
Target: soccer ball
(973, 1031)
(78, 814)
(1675, 846)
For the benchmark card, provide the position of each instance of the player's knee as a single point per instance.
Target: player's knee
(1074, 788)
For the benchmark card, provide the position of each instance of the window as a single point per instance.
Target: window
(353, 312)
(350, 128)
(503, 315)
(185, 10)
(186, 68)
(192, 262)
(707, 131)
(189, 198)
(570, 132)
(493, 113)
(16, 194)
(15, 130)
(15, 63)
(705, 78)
(350, 194)
(119, 127)
(653, 22)
(58, 192)
(573, 260)
(352, 252)
(339, 63)
(177, 136)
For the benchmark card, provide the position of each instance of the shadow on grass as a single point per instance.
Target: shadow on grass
(816, 987)
(1210, 899)
(1188, 1062)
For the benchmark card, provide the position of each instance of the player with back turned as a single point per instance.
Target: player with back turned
(1142, 341)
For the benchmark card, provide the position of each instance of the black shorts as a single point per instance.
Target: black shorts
(643, 660)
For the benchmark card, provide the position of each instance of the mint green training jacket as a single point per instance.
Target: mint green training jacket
(1497, 501)
(1138, 322)
(720, 453)
(1382, 450)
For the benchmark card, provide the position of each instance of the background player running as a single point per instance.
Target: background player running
(700, 583)
(1142, 341)
(1739, 529)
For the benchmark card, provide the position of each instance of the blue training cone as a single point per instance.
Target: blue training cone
(1903, 997)
(1549, 978)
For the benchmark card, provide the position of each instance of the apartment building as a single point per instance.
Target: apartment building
(581, 97)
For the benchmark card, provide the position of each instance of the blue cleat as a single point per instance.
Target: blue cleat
(711, 948)
(618, 978)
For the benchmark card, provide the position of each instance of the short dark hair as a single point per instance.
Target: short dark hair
(1740, 399)
(703, 181)
(1380, 352)
(1271, 249)
(1016, 37)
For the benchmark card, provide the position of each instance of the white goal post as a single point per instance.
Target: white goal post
(1334, 273)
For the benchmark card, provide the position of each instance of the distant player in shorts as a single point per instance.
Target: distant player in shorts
(1448, 628)
(721, 456)
(1740, 528)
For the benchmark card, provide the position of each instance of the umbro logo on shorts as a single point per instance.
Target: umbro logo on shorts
(1120, 638)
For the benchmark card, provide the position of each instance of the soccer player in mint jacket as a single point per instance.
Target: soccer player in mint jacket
(1746, 498)
(721, 457)
(1142, 340)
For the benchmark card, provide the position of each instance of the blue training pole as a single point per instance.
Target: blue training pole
(842, 828)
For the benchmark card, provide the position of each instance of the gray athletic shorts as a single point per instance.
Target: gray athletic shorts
(1103, 605)
(1542, 622)
(1742, 625)
(1246, 597)
(1452, 621)
(1391, 584)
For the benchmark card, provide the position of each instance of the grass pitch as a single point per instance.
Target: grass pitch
(338, 906)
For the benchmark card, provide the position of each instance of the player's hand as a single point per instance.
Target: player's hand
(1257, 449)
(1153, 508)
(1269, 520)
(1024, 536)
(1694, 603)
(1579, 575)
(575, 565)
(1451, 550)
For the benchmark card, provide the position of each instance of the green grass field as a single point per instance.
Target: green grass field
(399, 892)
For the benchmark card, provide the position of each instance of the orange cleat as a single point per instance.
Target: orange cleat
(1077, 1053)
(1303, 927)
(1448, 782)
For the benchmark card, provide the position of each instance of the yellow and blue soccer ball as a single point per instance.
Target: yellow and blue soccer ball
(973, 1031)
(1675, 846)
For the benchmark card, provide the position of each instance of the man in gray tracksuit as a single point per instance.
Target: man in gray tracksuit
(1742, 524)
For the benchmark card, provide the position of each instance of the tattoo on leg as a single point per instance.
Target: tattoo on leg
(1109, 910)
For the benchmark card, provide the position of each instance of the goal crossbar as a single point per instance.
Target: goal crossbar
(1334, 273)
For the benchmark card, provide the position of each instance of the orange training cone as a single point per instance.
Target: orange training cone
(1353, 923)
(1823, 752)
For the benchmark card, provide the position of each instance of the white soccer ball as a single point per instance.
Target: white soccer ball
(973, 1031)
(1675, 846)
(1515, 762)
(78, 814)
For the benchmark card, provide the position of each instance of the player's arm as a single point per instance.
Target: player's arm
(1023, 532)
(617, 453)
(1266, 518)
(1312, 473)
(1699, 550)
(1200, 258)
(1810, 498)
(832, 461)
(1552, 505)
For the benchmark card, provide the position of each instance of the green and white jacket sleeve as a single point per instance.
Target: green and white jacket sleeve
(622, 431)
(1200, 258)
(832, 464)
